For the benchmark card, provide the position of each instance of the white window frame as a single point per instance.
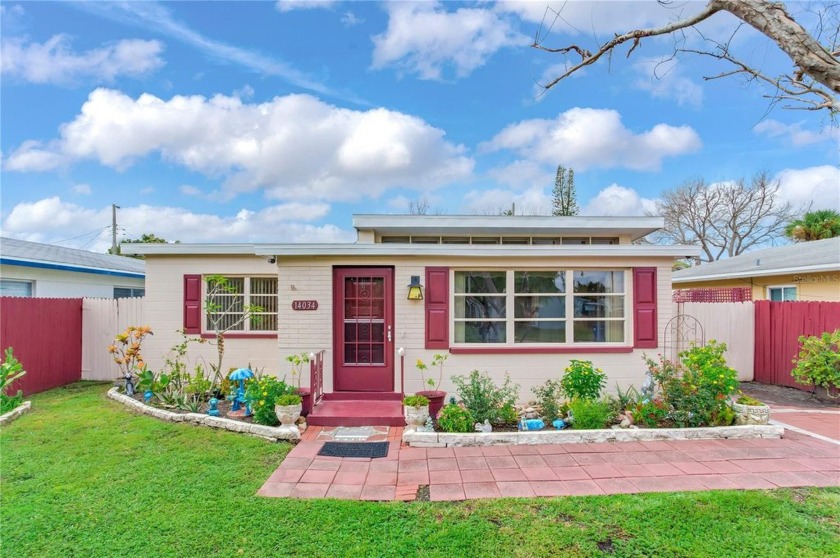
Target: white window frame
(569, 319)
(246, 325)
(132, 291)
(783, 287)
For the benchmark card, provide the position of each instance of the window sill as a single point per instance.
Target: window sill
(584, 349)
(241, 336)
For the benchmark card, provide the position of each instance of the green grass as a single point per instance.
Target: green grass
(81, 476)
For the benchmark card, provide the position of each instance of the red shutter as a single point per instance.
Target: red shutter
(645, 334)
(437, 307)
(192, 303)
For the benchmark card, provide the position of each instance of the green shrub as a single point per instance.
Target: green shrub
(288, 399)
(198, 384)
(818, 361)
(508, 414)
(263, 394)
(696, 389)
(415, 401)
(549, 396)
(590, 414)
(582, 380)
(482, 397)
(455, 418)
(652, 414)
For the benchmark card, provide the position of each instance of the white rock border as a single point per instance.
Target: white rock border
(9, 417)
(270, 432)
(447, 439)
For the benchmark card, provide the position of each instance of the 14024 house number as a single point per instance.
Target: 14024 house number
(304, 305)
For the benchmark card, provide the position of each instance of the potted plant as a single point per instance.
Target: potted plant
(434, 395)
(750, 411)
(297, 362)
(415, 410)
(287, 407)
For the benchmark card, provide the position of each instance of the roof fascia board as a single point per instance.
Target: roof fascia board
(61, 267)
(759, 273)
(188, 249)
(473, 250)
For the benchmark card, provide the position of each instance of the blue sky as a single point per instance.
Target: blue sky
(275, 122)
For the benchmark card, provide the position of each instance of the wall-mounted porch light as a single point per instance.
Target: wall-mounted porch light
(415, 289)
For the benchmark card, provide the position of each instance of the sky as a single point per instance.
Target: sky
(277, 121)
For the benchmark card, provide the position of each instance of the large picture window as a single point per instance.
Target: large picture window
(239, 294)
(539, 307)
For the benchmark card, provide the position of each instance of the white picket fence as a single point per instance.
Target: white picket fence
(102, 320)
(732, 323)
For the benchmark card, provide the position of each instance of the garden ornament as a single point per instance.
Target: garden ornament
(213, 411)
(129, 385)
(240, 375)
(647, 387)
(534, 424)
(147, 395)
(559, 424)
(485, 427)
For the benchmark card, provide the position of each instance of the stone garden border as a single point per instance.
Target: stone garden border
(272, 433)
(9, 417)
(447, 439)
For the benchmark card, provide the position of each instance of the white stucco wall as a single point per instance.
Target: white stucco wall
(309, 331)
(53, 283)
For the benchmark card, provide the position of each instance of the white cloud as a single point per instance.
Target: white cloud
(424, 38)
(349, 19)
(585, 138)
(589, 18)
(289, 5)
(663, 79)
(82, 189)
(816, 186)
(189, 190)
(55, 62)
(521, 175)
(293, 147)
(618, 200)
(794, 134)
(52, 219)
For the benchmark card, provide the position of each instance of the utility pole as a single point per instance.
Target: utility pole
(114, 248)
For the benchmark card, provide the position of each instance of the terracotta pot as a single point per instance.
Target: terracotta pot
(306, 400)
(415, 416)
(436, 399)
(288, 414)
(751, 414)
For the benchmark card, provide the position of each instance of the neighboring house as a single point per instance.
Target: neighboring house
(803, 271)
(521, 295)
(44, 270)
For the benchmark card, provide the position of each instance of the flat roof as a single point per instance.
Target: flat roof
(635, 227)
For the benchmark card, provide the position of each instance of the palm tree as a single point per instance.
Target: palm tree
(814, 225)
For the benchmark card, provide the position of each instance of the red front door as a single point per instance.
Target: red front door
(363, 319)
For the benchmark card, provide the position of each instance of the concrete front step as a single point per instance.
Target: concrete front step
(357, 412)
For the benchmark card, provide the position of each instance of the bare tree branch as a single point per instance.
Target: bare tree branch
(816, 67)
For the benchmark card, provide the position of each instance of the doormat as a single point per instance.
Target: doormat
(354, 449)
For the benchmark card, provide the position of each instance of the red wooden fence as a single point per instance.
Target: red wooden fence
(778, 326)
(46, 335)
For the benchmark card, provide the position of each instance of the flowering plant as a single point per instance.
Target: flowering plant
(126, 349)
(263, 394)
(582, 380)
(437, 360)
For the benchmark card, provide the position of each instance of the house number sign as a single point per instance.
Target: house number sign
(304, 305)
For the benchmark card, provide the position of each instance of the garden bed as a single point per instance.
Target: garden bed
(273, 433)
(9, 417)
(415, 438)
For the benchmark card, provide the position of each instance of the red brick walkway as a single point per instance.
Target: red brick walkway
(559, 470)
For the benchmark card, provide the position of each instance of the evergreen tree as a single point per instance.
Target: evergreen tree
(565, 198)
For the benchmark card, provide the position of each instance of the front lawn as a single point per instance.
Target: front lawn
(81, 476)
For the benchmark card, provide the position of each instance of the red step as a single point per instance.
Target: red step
(356, 412)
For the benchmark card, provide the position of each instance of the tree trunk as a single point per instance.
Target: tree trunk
(772, 20)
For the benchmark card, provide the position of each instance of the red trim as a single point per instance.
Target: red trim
(645, 334)
(437, 308)
(241, 336)
(537, 350)
(192, 304)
